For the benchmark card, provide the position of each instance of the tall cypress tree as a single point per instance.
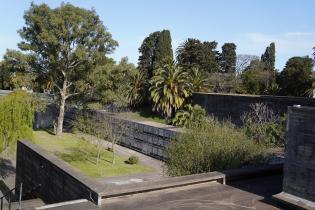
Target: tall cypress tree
(228, 58)
(269, 57)
(154, 50)
(163, 48)
(147, 54)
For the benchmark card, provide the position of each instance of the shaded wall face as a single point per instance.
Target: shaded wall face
(234, 106)
(299, 166)
(44, 176)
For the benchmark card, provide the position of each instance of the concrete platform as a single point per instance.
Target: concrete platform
(242, 194)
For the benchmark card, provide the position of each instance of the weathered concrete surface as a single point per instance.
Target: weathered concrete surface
(299, 166)
(244, 194)
(233, 106)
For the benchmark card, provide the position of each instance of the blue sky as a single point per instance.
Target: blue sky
(251, 24)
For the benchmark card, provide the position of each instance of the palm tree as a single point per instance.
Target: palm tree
(137, 91)
(198, 80)
(170, 87)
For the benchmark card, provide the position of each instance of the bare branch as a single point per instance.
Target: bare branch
(74, 64)
(57, 87)
(68, 84)
(70, 95)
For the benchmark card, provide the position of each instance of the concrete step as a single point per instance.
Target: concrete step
(25, 205)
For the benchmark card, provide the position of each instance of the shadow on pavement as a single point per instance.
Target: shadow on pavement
(6, 168)
(264, 186)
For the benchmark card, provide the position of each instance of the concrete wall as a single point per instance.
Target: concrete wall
(147, 137)
(45, 119)
(299, 166)
(233, 106)
(46, 177)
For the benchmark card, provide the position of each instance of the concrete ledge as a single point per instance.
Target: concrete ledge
(293, 202)
(172, 182)
(62, 204)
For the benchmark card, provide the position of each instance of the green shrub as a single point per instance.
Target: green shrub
(211, 146)
(133, 160)
(262, 125)
(189, 115)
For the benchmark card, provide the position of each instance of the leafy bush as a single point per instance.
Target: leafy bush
(133, 160)
(262, 125)
(210, 146)
(189, 115)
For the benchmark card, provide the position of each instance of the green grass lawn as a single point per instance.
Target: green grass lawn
(143, 114)
(82, 155)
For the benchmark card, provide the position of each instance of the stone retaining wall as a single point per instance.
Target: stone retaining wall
(147, 137)
(233, 106)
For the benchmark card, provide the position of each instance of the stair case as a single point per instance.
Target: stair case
(10, 201)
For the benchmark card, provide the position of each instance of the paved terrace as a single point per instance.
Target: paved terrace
(252, 193)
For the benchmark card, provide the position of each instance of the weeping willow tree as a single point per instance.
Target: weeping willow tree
(16, 118)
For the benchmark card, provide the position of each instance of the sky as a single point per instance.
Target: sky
(250, 24)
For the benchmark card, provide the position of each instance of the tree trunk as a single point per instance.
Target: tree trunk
(113, 150)
(61, 108)
(98, 150)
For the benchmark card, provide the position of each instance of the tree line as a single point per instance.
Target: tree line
(64, 51)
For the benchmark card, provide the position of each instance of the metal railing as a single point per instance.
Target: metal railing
(9, 196)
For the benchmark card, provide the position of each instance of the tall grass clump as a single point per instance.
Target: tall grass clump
(209, 146)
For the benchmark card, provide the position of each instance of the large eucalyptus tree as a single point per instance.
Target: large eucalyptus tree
(65, 44)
